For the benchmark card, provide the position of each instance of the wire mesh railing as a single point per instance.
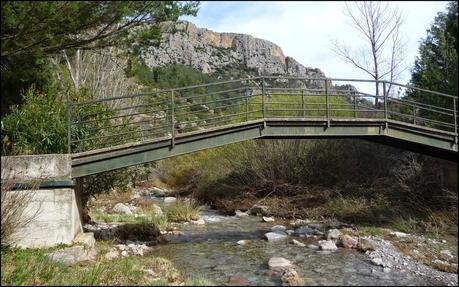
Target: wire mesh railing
(165, 114)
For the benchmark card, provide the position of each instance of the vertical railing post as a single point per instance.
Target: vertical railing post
(69, 128)
(303, 112)
(327, 103)
(455, 119)
(355, 104)
(263, 97)
(246, 105)
(414, 114)
(172, 120)
(385, 100)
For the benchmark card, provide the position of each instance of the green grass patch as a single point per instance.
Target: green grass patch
(183, 210)
(33, 267)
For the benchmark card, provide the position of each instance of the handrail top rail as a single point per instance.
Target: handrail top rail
(258, 78)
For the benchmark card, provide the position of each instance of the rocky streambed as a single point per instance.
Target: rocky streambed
(235, 250)
(259, 250)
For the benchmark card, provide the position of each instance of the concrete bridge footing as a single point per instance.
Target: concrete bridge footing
(51, 213)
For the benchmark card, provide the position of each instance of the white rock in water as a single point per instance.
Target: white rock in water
(377, 261)
(122, 209)
(279, 264)
(333, 234)
(242, 242)
(200, 221)
(273, 236)
(268, 219)
(398, 234)
(241, 213)
(170, 199)
(312, 246)
(297, 243)
(278, 228)
(327, 245)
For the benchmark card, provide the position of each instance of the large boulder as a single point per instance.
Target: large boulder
(279, 264)
(122, 209)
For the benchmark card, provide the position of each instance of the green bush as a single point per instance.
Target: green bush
(38, 126)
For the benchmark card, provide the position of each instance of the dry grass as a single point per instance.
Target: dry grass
(15, 213)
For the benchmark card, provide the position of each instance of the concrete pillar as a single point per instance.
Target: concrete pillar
(51, 212)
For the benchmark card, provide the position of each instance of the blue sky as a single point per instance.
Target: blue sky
(304, 29)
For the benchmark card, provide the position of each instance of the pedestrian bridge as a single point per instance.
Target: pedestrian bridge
(112, 133)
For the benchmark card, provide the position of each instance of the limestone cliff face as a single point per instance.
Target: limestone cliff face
(210, 52)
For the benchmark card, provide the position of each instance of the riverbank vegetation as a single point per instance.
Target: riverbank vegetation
(33, 267)
(321, 179)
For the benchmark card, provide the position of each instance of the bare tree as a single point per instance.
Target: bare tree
(383, 55)
(100, 72)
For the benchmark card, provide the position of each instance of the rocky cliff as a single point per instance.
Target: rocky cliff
(211, 52)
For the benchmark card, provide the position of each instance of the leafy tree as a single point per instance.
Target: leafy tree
(33, 30)
(436, 66)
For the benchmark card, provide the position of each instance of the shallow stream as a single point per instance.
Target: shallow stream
(211, 251)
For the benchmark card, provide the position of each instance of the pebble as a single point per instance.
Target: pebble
(297, 243)
(268, 219)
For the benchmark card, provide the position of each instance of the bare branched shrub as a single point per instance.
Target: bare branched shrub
(15, 211)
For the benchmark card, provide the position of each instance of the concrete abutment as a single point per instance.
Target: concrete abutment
(51, 213)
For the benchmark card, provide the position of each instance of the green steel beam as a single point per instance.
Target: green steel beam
(112, 162)
(132, 154)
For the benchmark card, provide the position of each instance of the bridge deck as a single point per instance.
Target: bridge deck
(418, 138)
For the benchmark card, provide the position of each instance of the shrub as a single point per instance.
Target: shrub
(38, 126)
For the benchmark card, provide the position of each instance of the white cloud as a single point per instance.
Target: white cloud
(304, 29)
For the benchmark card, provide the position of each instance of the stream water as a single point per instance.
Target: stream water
(211, 251)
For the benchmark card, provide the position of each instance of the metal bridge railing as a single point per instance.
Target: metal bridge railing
(107, 122)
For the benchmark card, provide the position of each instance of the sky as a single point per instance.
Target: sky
(305, 29)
